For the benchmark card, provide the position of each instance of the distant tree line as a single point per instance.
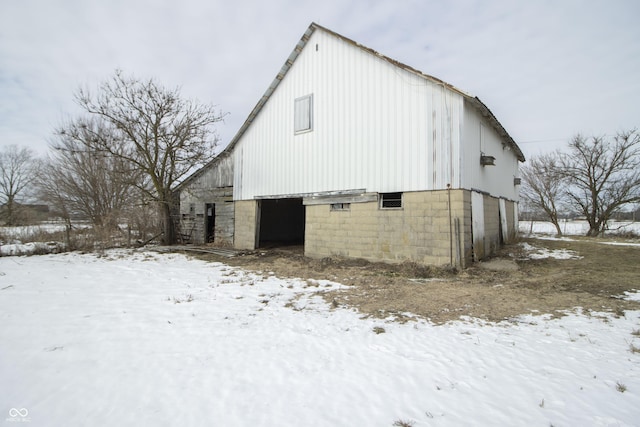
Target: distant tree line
(119, 161)
(596, 179)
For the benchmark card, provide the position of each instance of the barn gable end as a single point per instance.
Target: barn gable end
(354, 154)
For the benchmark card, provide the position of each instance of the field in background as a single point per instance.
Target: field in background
(30, 232)
(580, 228)
(55, 237)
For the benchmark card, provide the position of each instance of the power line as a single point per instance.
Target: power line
(535, 141)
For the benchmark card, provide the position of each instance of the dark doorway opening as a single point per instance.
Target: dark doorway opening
(281, 222)
(210, 227)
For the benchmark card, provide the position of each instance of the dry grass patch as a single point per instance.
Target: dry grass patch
(549, 285)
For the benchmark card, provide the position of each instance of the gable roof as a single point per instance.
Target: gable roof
(473, 100)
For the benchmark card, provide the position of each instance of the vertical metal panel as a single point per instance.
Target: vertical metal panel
(503, 220)
(376, 126)
(477, 218)
(479, 137)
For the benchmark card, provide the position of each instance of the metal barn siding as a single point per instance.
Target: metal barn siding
(479, 137)
(376, 126)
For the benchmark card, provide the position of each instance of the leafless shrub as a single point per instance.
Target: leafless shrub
(78, 180)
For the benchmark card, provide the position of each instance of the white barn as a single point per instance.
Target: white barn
(354, 154)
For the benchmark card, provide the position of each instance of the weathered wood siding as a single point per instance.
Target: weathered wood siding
(211, 185)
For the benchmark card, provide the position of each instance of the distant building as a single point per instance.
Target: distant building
(354, 154)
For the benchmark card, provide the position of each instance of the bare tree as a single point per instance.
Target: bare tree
(163, 135)
(604, 175)
(77, 179)
(544, 186)
(16, 175)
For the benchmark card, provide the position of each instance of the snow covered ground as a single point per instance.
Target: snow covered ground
(151, 339)
(575, 228)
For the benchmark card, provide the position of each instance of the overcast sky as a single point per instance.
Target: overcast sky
(546, 68)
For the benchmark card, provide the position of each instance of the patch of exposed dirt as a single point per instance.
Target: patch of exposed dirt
(503, 287)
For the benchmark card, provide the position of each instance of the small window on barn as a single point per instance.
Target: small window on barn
(303, 114)
(192, 209)
(340, 206)
(390, 200)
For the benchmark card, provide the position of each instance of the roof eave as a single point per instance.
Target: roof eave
(488, 115)
(272, 87)
(259, 105)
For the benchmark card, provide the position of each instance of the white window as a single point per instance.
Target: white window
(303, 114)
(390, 200)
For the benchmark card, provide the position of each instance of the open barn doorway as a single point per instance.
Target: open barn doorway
(210, 227)
(281, 222)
